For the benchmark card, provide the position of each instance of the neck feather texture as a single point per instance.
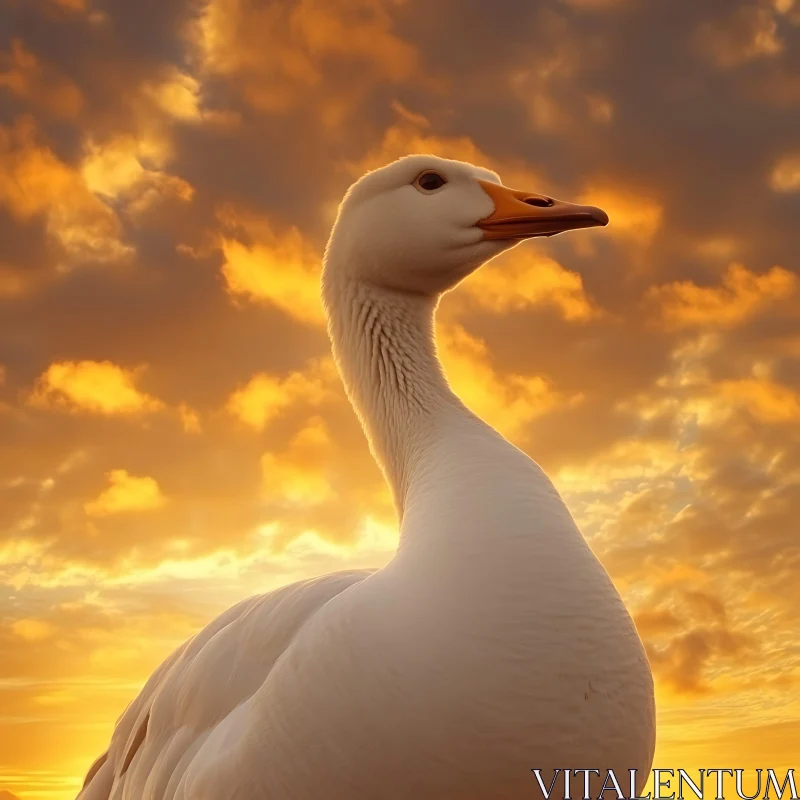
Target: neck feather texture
(383, 342)
(456, 482)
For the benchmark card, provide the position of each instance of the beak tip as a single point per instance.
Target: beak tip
(600, 216)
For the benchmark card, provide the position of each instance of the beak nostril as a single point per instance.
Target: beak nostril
(539, 202)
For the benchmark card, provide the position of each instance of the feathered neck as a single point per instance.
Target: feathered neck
(383, 343)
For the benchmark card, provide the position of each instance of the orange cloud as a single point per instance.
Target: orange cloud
(527, 278)
(116, 170)
(598, 5)
(716, 248)
(749, 32)
(267, 396)
(297, 473)
(95, 386)
(741, 295)
(626, 460)
(766, 400)
(409, 135)
(177, 94)
(126, 493)
(277, 56)
(71, 5)
(34, 182)
(279, 269)
(32, 630)
(28, 77)
(631, 214)
(190, 419)
(785, 176)
(506, 401)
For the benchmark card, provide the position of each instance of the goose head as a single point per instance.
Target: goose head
(421, 224)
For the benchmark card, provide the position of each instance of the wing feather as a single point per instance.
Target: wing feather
(199, 687)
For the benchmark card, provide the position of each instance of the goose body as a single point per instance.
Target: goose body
(493, 643)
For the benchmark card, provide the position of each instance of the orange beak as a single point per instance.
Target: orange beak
(521, 215)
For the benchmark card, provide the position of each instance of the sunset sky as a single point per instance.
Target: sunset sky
(173, 434)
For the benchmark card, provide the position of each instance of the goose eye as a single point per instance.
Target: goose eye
(430, 181)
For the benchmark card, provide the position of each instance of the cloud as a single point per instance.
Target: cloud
(126, 493)
(281, 58)
(598, 5)
(748, 32)
(785, 176)
(766, 400)
(279, 269)
(506, 401)
(190, 419)
(94, 386)
(265, 396)
(410, 135)
(526, 279)
(27, 76)
(683, 663)
(631, 214)
(689, 637)
(115, 170)
(177, 94)
(297, 474)
(32, 630)
(741, 295)
(34, 182)
(70, 5)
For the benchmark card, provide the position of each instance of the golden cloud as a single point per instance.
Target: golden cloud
(785, 176)
(716, 248)
(631, 214)
(526, 278)
(126, 493)
(748, 32)
(539, 88)
(409, 136)
(32, 630)
(276, 56)
(742, 295)
(94, 386)
(297, 473)
(599, 5)
(177, 94)
(116, 166)
(27, 76)
(626, 460)
(279, 269)
(507, 401)
(689, 636)
(267, 396)
(116, 170)
(70, 5)
(34, 182)
(766, 400)
(190, 419)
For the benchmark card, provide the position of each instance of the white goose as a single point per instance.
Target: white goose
(494, 642)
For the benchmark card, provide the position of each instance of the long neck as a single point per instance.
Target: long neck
(455, 480)
(384, 346)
